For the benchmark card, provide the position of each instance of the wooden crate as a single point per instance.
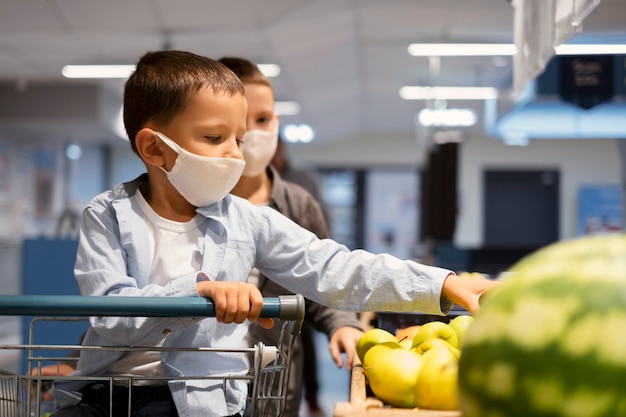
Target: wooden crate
(361, 405)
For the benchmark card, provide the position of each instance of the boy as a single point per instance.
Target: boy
(261, 184)
(175, 231)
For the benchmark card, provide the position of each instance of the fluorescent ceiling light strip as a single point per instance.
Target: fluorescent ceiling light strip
(448, 93)
(286, 108)
(269, 70)
(580, 49)
(506, 49)
(124, 71)
(97, 71)
(447, 117)
(461, 49)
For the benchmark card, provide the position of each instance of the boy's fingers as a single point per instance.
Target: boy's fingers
(256, 304)
(243, 307)
(473, 306)
(220, 304)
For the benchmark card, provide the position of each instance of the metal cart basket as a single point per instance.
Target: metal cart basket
(267, 376)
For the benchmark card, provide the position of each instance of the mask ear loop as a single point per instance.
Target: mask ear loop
(170, 144)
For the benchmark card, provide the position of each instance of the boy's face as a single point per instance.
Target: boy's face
(211, 125)
(260, 107)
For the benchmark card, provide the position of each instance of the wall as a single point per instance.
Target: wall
(100, 168)
(38, 183)
(580, 162)
(360, 152)
(86, 175)
(125, 165)
(31, 188)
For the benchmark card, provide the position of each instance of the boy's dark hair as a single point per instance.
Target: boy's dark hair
(246, 70)
(159, 88)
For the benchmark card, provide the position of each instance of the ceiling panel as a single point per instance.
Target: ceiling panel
(344, 61)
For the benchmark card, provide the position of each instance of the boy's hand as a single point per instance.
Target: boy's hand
(466, 291)
(235, 301)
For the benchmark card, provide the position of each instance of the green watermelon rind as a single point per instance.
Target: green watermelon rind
(551, 340)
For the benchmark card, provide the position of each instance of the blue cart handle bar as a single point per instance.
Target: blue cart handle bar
(285, 307)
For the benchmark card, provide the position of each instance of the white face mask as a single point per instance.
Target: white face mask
(258, 149)
(202, 180)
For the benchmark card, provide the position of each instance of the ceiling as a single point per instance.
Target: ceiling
(344, 61)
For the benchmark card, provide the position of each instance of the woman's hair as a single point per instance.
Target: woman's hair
(162, 83)
(246, 70)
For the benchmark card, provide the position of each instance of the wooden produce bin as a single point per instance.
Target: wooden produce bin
(361, 405)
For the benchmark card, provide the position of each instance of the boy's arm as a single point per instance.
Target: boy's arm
(466, 291)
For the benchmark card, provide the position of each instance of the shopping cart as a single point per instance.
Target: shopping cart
(267, 376)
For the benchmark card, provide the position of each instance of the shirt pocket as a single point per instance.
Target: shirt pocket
(238, 261)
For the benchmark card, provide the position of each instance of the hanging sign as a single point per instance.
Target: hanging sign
(586, 81)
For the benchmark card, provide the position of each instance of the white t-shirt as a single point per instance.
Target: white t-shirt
(174, 249)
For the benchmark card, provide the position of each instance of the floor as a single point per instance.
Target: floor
(334, 382)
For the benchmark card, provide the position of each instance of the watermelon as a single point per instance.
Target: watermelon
(551, 339)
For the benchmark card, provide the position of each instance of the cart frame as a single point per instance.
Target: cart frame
(267, 376)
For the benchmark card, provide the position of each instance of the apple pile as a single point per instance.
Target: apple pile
(416, 367)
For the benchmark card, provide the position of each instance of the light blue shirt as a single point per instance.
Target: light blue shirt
(113, 259)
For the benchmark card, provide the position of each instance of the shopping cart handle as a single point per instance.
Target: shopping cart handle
(286, 307)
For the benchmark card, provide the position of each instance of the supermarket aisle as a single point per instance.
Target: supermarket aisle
(334, 382)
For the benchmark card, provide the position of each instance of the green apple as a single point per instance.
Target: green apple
(371, 338)
(434, 343)
(433, 330)
(392, 373)
(406, 343)
(460, 325)
(436, 387)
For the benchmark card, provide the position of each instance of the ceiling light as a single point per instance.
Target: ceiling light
(269, 70)
(448, 93)
(580, 49)
(124, 71)
(97, 71)
(505, 49)
(286, 108)
(447, 117)
(461, 49)
(298, 133)
(73, 151)
(515, 139)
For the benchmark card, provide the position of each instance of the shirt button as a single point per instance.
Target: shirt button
(166, 331)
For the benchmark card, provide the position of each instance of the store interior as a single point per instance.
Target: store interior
(536, 159)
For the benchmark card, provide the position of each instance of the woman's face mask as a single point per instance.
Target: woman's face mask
(259, 146)
(201, 180)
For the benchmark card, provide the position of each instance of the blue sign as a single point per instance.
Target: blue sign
(599, 209)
